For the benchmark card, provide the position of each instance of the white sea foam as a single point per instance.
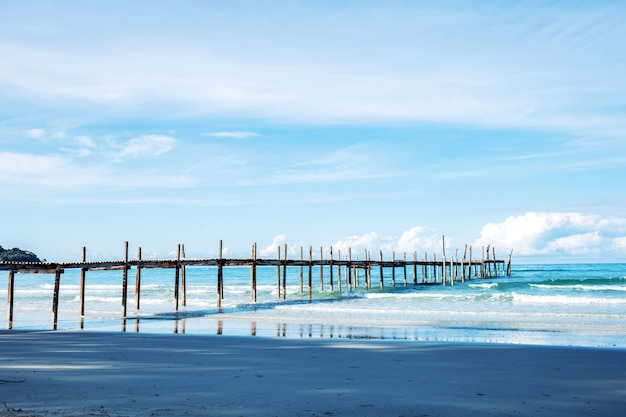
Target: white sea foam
(579, 287)
(484, 286)
(564, 299)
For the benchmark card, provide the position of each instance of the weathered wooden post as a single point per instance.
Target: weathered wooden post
(404, 267)
(451, 271)
(368, 270)
(414, 267)
(469, 267)
(285, 274)
(82, 283)
(508, 265)
(301, 270)
(55, 297)
(138, 280)
(495, 264)
(183, 270)
(10, 294)
(339, 269)
(278, 272)
(310, 270)
(177, 279)
(382, 282)
(220, 276)
(393, 269)
(125, 280)
(349, 269)
(253, 275)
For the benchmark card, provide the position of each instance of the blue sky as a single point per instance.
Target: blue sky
(363, 124)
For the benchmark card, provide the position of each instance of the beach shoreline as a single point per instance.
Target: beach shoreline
(74, 373)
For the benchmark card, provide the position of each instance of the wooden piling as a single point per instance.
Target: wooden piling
(469, 268)
(220, 276)
(285, 274)
(382, 280)
(55, 297)
(301, 270)
(349, 269)
(310, 271)
(125, 280)
(138, 281)
(278, 272)
(368, 270)
(393, 269)
(183, 270)
(404, 269)
(443, 260)
(177, 279)
(508, 264)
(253, 275)
(339, 270)
(10, 294)
(81, 295)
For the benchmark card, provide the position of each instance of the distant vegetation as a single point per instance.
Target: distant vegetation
(17, 255)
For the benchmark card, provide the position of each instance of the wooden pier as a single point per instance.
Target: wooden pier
(347, 272)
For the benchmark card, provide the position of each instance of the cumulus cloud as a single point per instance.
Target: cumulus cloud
(146, 145)
(359, 243)
(238, 135)
(418, 239)
(277, 241)
(560, 234)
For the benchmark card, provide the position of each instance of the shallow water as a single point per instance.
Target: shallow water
(574, 304)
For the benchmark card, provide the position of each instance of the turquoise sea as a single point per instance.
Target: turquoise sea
(566, 305)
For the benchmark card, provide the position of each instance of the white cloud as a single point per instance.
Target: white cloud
(557, 234)
(35, 133)
(581, 243)
(238, 135)
(85, 141)
(146, 145)
(418, 239)
(28, 168)
(277, 241)
(358, 243)
(619, 244)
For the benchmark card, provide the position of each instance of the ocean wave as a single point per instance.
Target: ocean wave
(484, 286)
(563, 299)
(579, 287)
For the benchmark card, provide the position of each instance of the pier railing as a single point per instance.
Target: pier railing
(346, 272)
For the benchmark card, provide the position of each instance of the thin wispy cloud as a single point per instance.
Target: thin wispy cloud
(235, 134)
(35, 133)
(145, 145)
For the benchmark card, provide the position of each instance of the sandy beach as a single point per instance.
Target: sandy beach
(126, 374)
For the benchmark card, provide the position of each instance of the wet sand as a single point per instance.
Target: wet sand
(87, 373)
